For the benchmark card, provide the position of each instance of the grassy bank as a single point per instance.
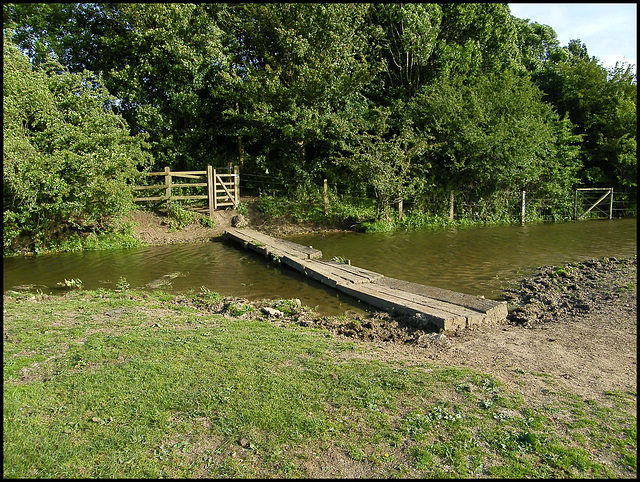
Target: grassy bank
(137, 384)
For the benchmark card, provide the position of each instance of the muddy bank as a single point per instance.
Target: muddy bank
(556, 292)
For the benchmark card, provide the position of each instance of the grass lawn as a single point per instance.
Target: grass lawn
(138, 384)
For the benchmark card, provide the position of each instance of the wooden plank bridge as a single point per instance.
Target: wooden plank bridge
(447, 310)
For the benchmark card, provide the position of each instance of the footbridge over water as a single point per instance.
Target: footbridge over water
(447, 310)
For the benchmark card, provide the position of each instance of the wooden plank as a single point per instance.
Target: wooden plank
(142, 188)
(179, 198)
(236, 187)
(281, 246)
(331, 273)
(193, 184)
(187, 176)
(167, 181)
(213, 189)
(161, 198)
(473, 317)
(210, 195)
(469, 301)
(443, 320)
(494, 311)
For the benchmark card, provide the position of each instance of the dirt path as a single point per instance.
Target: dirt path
(575, 332)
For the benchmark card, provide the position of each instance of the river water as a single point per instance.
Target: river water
(477, 261)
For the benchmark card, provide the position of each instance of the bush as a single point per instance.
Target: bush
(68, 157)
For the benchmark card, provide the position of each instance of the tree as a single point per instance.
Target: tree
(602, 106)
(385, 157)
(495, 134)
(474, 39)
(537, 44)
(404, 37)
(67, 157)
(295, 81)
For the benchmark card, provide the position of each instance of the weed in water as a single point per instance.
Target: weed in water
(71, 283)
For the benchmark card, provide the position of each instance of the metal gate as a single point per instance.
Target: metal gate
(608, 192)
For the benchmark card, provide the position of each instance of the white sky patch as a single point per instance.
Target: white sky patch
(608, 30)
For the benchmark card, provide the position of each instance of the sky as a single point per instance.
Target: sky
(608, 30)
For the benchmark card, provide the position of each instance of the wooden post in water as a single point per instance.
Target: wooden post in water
(167, 183)
(451, 205)
(524, 202)
(326, 197)
(400, 206)
(611, 205)
(211, 195)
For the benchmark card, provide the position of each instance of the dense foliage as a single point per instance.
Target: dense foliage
(66, 156)
(402, 100)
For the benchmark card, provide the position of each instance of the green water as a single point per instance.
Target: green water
(477, 261)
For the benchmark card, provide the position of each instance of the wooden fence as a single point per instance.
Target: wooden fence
(222, 189)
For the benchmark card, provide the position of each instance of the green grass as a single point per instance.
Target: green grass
(132, 384)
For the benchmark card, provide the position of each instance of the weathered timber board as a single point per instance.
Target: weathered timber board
(428, 305)
(389, 302)
(331, 273)
(493, 310)
(268, 246)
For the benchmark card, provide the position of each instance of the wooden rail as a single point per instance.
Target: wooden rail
(447, 310)
(222, 189)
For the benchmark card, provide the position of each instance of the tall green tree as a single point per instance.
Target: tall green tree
(403, 37)
(495, 134)
(298, 71)
(169, 59)
(474, 39)
(601, 104)
(67, 157)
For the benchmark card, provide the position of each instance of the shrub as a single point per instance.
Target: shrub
(67, 157)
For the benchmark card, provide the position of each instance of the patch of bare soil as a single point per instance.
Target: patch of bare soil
(153, 227)
(569, 328)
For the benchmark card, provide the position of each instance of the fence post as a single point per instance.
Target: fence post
(400, 203)
(167, 183)
(326, 197)
(451, 205)
(215, 194)
(524, 202)
(236, 185)
(210, 190)
(611, 206)
(575, 206)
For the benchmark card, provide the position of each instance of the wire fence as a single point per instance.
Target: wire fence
(509, 206)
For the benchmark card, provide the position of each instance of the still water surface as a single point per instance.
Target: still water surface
(477, 261)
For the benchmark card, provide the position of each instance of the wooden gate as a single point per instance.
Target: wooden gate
(608, 191)
(222, 188)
